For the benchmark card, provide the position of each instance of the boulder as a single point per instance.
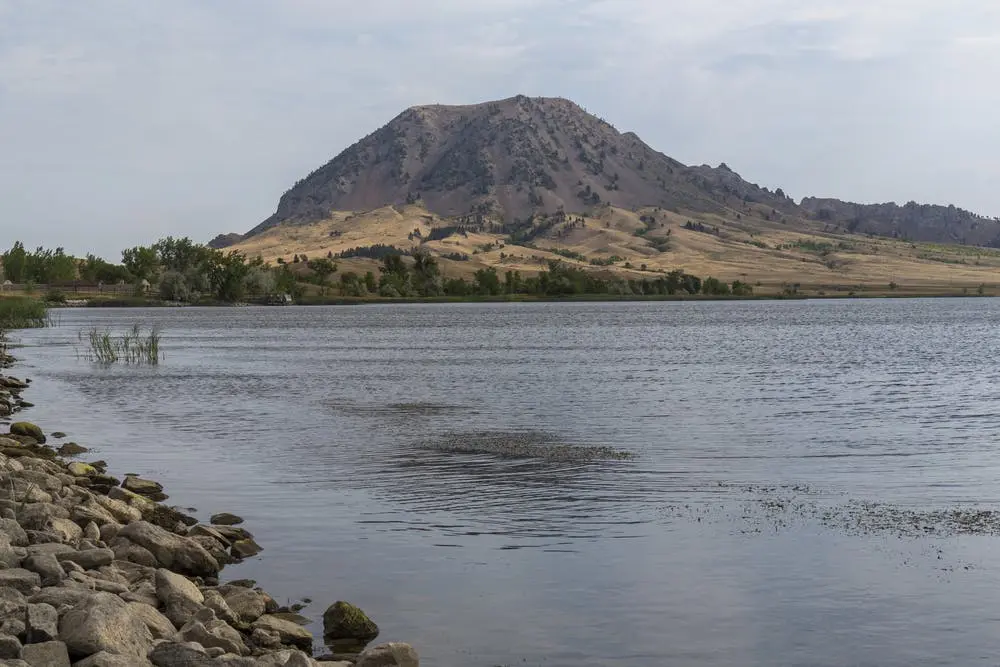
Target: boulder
(78, 469)
(21, 580)
(342, 620)
(133, 553)
(144, 487)
(105, 659)
(217, 603)
(245, 549)
(69, 532)
(159, 625)
(92, 533)
(72, 449)
(13, 530)
(92, 511)
(42, 623)
(211, 632)
(392, 654)
(90, 559)
(29, 430)
(120, 510)
(247, 604)
(47, 654)
(10, 647)
(57, 596)
(172, 551)
(180, 609)
(290, 633)
(177, 654)
(47, 567)
(170, 583)
(201, 530)
(104, 622)
(226, 519)
(43, 480)
(36, 516)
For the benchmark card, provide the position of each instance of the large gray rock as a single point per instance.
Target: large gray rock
(12, 603)
(246, 603)
(131, 552)
(211, 632)
(54, 548)
(104, 622)
(42, 623)
(105, 659)
(10, 647)
(92, 511)
(172, 551)
(90, 559)
(170, 583)
(159, 625)
(290, 633)
(283, 658)
(43, 480)
(120, 510)
(24, 581)
(217, 603)
(177, 654)
(342, 620)
(180, 609)
(45, 566)
(226, 519)
(392, 654)
(57, 596)
(10, 556)
(144, 487)
(18, 538)
(47, 654)
(36, 516)
(201, 530)
(68, 531)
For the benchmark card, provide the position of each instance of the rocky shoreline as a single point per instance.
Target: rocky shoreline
(99, 572)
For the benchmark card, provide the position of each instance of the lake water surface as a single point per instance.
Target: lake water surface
(794, 468)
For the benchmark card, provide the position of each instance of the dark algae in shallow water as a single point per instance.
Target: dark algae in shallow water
(524, 445)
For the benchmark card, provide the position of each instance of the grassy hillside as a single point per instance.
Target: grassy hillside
(754, 244)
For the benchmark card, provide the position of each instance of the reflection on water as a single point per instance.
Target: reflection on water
(801, 483)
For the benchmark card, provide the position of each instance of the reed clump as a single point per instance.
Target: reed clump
(17, 312)
(136, 346)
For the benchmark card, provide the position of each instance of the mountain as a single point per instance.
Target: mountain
(510, 159)
(912, 221)
(512, 162)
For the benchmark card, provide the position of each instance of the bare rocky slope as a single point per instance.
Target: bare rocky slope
(514, 158)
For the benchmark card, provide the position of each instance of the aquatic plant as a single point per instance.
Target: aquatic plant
(136, 346)
(22, 313)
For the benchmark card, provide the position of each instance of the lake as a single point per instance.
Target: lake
(795, 484)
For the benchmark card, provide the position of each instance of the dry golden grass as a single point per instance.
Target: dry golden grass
(774, 255)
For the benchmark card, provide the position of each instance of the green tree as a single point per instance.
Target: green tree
(426, 274)
(141, 262)
(14, 261)
(487, 281)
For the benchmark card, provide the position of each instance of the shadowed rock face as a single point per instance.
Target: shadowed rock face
(512, 157)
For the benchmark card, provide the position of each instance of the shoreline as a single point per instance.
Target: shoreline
(98, 571)
(138, 302)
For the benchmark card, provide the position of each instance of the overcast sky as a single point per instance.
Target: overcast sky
(122, 121)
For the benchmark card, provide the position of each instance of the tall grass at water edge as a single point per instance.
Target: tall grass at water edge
(136, 346)
(18, 312)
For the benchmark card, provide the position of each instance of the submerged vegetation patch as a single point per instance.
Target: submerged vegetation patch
(524, 445)
(769, 508)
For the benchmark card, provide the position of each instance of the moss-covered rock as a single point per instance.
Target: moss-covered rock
(72, 449)
(28, 429)
(78, 469)
(342, 620)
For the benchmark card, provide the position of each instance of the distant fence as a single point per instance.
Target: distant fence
(74, 287)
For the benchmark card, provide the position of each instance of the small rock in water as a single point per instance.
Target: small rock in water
(226, 519)
(58, 434)
(71, 449)
(245, 549)
(144, 487)
(342, 620)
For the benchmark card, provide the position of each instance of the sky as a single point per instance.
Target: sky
(122, 122)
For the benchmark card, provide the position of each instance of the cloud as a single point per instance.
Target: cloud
(125, 121)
